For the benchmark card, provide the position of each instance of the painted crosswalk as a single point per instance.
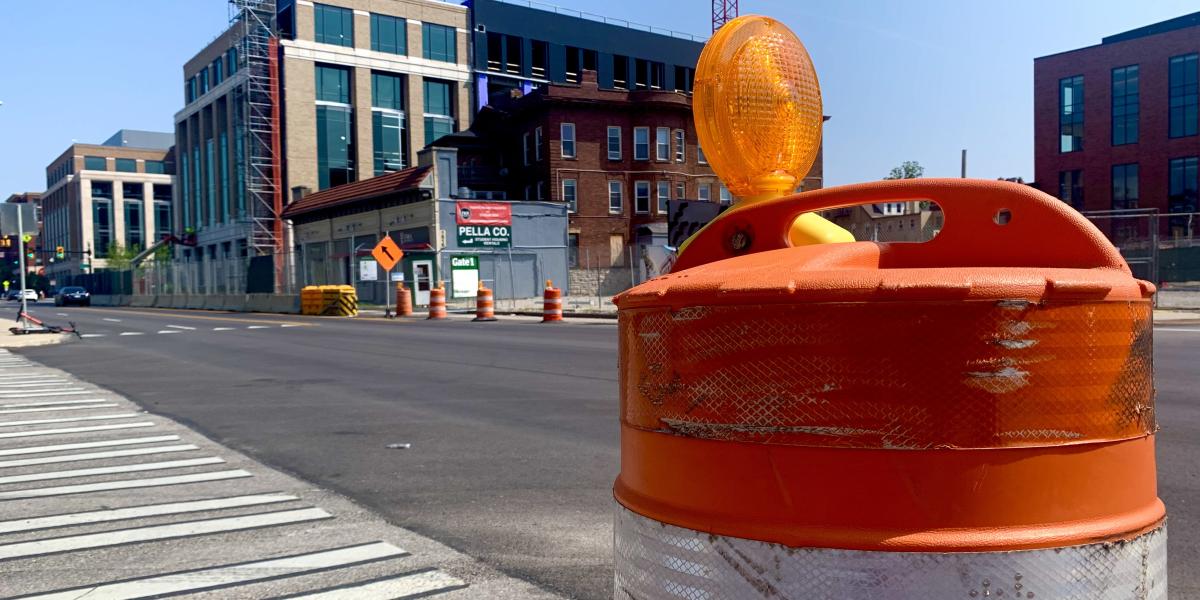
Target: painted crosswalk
(84, 474)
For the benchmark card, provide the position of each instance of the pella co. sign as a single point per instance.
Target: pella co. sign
(484, 224)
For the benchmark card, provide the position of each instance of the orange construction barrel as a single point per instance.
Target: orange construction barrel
(969, 417)
(404, 304)
(552, 304)
(437, 302)
(485, 305)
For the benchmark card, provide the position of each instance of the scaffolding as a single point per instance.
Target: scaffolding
(258, 124)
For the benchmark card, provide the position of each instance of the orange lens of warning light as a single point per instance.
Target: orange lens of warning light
(758, 107)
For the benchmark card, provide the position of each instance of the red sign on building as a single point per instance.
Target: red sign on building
(483, 213)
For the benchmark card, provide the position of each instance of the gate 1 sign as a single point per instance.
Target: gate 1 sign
(368, 270)
(464, 276)
(484, 224)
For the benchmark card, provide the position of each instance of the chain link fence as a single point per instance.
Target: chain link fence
(1161, 248)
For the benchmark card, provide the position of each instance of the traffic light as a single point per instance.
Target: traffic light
(6, 242)
(60, 252)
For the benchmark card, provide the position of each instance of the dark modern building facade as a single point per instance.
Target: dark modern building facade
(1117, 126)
(519, 47)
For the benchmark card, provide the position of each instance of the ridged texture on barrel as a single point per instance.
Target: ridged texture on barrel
(656, 560)
(897, 375)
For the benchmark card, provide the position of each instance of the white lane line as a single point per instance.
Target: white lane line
(72, 392)
(25, 462)
(292, 325)
(159, 532)
(123, 484)
(82, 445)
(184, 327)
(62, 314)
(53, 403)
(54, 408)
(222, 329)
(230, 575)
(256, 327)
(132, 333)
(402, 586)
(70, 419)
(136, 468)
(112, 320)
(91, 335)
(1182, 329)
(138, 512)
(169, 331)
(41, 432)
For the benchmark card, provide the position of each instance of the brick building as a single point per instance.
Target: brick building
(1115, 124)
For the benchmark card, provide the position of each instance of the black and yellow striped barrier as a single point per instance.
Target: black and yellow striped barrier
(329, 300)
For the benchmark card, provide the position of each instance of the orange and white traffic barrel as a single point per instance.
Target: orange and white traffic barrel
(437, 301)
(552, 311)
(969, 417)
(404, 307)
(485, 306)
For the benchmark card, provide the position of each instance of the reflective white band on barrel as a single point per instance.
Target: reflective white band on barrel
(655, 560)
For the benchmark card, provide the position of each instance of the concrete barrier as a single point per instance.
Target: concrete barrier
(101, 300)
(141, 300)
(179, 301)
(1178, 299)
(258, 302)
(237, 303)
(194, 301)
(288, 304)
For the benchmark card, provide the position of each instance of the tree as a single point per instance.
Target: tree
(909, 169)
(119, 257)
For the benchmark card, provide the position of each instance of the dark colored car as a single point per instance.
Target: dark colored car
(72, 295)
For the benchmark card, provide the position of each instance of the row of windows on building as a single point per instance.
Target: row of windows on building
(209, 192)
(335, 121)
(668, 144)
(222, 68)
(57, 221)
(1182, 190)
(662, 195)
(507, 54)
(335, 25)
(1183, 92)
(59, 172)
(124, 165)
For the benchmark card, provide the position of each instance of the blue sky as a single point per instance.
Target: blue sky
(903, 80)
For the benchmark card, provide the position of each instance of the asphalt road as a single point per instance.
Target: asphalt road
(512, 424)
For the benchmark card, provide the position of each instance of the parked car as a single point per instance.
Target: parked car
(72, 295)
(30, 295)
(13, 295)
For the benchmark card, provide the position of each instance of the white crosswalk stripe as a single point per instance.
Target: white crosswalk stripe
(186, 503)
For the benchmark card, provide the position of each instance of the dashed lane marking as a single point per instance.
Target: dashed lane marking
(123, 484)
(184, 327)
(132, 333)
(14, 411)
(70, 430)
(83, 445)
(138, 512)
(70, 419)
(159, 532)
(135, 468)
(256, 327)
(165, 331)
(231, 575)
(91, 335)
(25, 462)
(222, 329)
(112, 320)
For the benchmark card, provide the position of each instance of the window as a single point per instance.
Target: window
(218, 70)
(189, 91)
(333, 84)
(616, 250)
(389, 34)
(202, 81)
(1182, 194)
(439, 115)
(537, 144)
(162, 209)
(567, 138)
(1125, 186)
(438, 42)
(512, 54)
(541, 190)
(1184, 94)
(335, 163)
(641, 197)
(334, 25)
(620, 72)
(573, 250)
(679, 145)
(683, 79)
(573, 69)
(156, 166)
(1070, 188)
(525, 149)
(95, 163)
(495, 51)
(702, 192)
(664, 196)
(641, 74)
(133, 223)
(231, 62)
(1070, 114)
(616, 199)
(1125, 105)
(126, 165)
(680, 191)
(102, 224)
(568, 195)
(614, 143)
(388, 123)
(539, 61)
(700, 154)
(641, 143)
(726, 197)
(662, 143)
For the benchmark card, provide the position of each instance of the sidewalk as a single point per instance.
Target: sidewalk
(99, 498)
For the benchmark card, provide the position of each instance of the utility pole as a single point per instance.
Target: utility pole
(21, 237)
(964, 163)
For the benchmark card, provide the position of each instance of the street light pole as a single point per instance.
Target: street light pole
(21, 258)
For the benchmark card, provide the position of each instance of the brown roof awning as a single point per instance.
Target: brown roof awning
(400, 181)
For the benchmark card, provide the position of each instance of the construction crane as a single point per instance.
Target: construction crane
(723, 11)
